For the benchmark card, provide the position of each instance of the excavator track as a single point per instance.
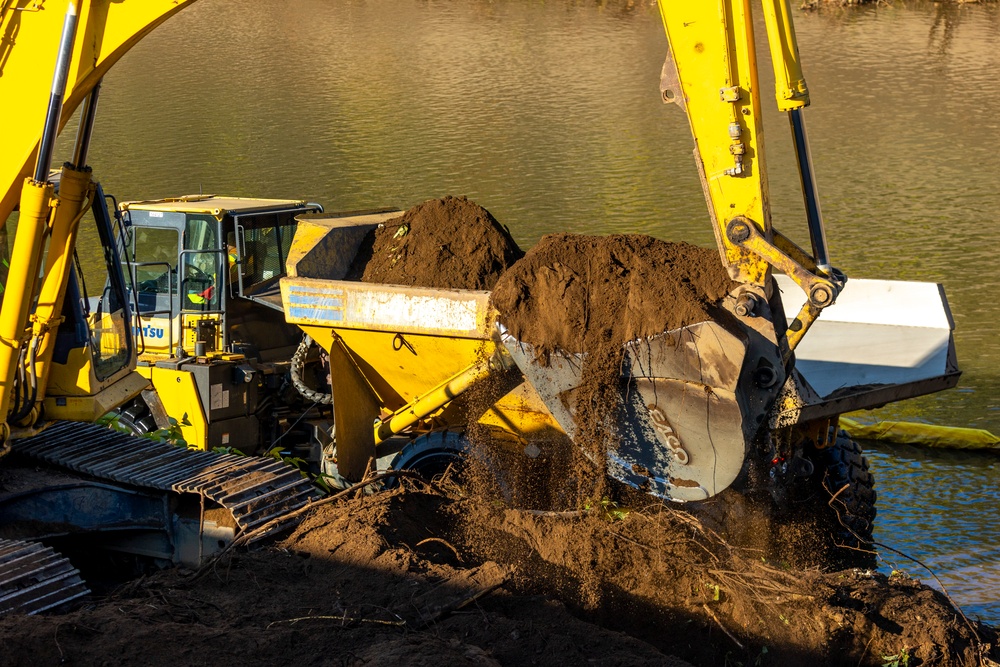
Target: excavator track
(255, 490)
(34, 578)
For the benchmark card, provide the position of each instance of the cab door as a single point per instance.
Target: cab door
(155, 251)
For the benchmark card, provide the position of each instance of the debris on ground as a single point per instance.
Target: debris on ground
(428, 576)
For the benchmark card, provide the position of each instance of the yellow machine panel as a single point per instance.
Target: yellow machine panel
(107, 30)
(179, 394)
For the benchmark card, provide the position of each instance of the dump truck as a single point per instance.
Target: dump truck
(399, 358)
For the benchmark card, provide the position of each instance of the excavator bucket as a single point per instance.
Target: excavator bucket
(689, 411)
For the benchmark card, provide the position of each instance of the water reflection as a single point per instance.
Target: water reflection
(938, 507)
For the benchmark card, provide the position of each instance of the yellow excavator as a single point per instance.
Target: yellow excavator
(163, 346)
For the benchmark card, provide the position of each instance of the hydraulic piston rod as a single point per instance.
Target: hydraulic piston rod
(51, 130)
(814, 217)
(86, 130)
(792, 95)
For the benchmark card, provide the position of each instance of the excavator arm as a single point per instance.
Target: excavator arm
(77, 41)
(711, 72)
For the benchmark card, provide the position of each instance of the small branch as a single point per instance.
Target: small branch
(438, 540)
(721, 626)
(865, 652)
(454, 606)
(572, 514)
(629, 540)
(343, 619)
(55, 638)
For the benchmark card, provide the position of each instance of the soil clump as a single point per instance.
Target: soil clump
(576, 293)
(445, 243)
(429, 576)
(593, 294)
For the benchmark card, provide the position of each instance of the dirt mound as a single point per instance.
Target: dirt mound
(421, 577)
(445, 243)
(592, 294)
(580, 293)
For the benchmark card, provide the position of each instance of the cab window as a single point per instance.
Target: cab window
(155, 252)
(201, 263)
(262, 249)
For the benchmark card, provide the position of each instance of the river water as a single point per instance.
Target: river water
(547, 113)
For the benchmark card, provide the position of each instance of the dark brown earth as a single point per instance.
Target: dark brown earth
(592, 294)
(578, 293)
(422, 576)
(447, 243)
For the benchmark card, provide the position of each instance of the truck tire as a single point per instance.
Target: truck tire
(848, 490)
(431, 454)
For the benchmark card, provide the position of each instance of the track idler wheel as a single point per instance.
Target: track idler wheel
(136, 418)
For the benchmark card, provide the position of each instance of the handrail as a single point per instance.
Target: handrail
(139, 314)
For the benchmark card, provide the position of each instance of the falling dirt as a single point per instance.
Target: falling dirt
(592, 294)
(445, 243)
(427, 576)
(578, 293)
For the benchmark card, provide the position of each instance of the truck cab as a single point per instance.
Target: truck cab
(202, 269)
(210, 330)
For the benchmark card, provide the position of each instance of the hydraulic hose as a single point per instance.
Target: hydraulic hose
(28, 382)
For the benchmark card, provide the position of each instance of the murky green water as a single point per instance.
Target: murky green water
(548, 114)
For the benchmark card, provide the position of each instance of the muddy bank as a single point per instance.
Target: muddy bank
(447, 243)
(423, 577)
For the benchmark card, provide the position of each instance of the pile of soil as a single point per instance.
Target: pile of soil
(425, 576)
(445, 243)
(592, 294)
(578, 293)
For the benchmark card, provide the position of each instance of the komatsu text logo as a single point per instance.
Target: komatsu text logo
(148, 332)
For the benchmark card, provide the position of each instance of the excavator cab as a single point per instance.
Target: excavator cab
(94, 347)
(211, 333)
(176, 265)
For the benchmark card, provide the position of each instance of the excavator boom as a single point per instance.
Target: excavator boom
(30, 34)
